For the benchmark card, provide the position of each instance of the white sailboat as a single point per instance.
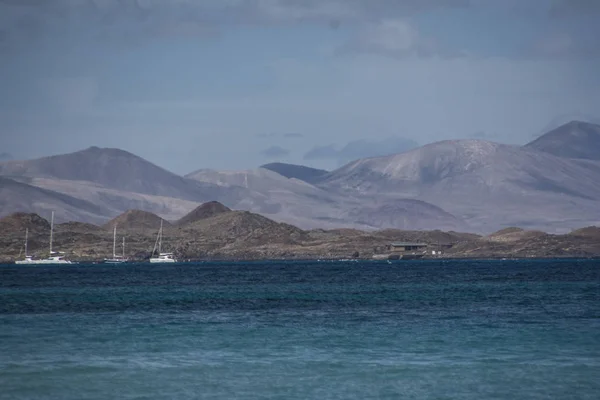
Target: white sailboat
(28, 259)
(162, 257)
(115, 258)
(54, 257)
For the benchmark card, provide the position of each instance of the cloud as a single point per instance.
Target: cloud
(267, 135)
(6, 156)
(361, 149)
(569, 8)
(275, 152)
(391, 37)
(564, 45)
(290, 135)
(202, 18)
(68, 95)
(483, 135)
(322, 153)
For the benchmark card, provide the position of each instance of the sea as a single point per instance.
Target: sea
(436, 329)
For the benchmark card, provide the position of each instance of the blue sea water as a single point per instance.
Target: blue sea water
(302, 330)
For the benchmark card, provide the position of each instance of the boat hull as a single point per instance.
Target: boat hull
(43, 262)
(162, 260)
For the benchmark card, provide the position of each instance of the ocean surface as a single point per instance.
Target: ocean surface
(302, 330)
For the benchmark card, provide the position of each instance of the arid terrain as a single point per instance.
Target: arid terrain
(213, 231)
(550, 184)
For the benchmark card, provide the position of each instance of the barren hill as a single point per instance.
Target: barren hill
(489, 185)
(247, 227)
(308, 206)
(203, 211)
(78, 227)
(575, 139)
(513, 234)
(18, 196)
(461, 185)
(136, 220)
(590, 231)
(244, 235)
(20, 221)
(114, 169)
(405, 214)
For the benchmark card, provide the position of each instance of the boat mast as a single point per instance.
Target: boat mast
(26, 234)
(51, 231)
(123, 246)
(114, 241)
(157, 242)
(160, 237)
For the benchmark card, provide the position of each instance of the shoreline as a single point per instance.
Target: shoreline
(308, 260)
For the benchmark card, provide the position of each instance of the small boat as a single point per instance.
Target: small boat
(162, 257)
(115, 258)
(54, 257)
(28, 259)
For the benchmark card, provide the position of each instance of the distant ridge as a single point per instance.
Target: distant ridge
(575, 139)
(301, 172)
(112, 168)
(136, 219)
(17, 196)
(488, 185)
(203, 211)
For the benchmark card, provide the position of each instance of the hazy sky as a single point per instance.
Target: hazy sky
(233, 84)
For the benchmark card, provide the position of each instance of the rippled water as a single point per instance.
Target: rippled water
(301, 330)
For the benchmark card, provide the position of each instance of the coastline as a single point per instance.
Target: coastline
(243, 236)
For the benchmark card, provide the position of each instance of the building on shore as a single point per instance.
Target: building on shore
(406, 250)
(402, 250)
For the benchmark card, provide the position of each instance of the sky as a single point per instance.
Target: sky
(233, 84)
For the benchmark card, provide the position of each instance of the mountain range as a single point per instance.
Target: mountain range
(551, 184)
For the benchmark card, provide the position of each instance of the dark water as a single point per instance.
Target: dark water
(409, 330)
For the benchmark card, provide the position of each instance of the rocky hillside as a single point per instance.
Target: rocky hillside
(202, 212)
(136, 220)
(19, 222)
(244, 235)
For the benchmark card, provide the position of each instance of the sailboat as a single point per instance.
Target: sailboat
(54, 257)
(115, 258)
(162, 257)
(28, 259)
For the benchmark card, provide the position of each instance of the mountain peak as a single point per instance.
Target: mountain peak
(108, 167)
(203, 211)
(136, 219)
(301, 172)
(575, 139)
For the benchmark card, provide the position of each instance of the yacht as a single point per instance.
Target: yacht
(28, 259)
(115, 258)
(55, 257)
(162, 257)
